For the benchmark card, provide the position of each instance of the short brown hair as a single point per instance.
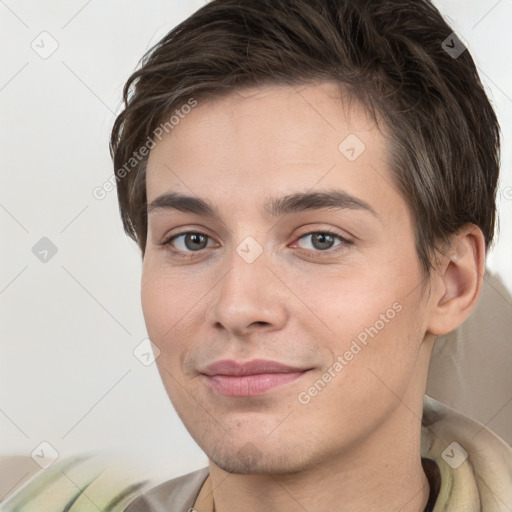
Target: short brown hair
(391, 55)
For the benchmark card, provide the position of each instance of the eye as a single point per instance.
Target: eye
(193, 241)
(322, 241)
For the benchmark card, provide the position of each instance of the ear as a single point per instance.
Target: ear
(457, 281)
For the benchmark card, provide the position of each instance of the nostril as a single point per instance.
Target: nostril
(259, 323)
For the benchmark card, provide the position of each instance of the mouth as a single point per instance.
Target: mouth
(250, 378)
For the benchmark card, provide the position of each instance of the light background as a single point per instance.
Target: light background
(69, 326)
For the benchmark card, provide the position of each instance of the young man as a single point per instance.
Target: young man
(312, 186)
(314, 210)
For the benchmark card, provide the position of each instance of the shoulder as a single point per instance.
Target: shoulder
(475, 464)
(83, 482)
(177, 494)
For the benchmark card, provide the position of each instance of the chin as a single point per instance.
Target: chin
(252, 459)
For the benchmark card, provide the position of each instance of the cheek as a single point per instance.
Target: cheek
(373, 314)
(165, 298)
(345, 303)
(173, 311)
(153, 300)
(163, 306)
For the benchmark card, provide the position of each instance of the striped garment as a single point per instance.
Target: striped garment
(95, 482)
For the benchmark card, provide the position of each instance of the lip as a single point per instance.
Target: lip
(249, 378)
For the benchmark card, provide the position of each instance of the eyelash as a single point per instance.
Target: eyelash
(344, 242)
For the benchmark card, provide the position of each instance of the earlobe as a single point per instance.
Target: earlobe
(458, 280)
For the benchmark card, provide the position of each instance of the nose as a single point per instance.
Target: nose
(249, 297)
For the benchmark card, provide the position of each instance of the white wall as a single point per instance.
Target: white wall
(68, 327)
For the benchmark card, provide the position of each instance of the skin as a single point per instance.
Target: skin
(356, 444)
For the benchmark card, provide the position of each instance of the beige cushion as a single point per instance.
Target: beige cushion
(471, 367)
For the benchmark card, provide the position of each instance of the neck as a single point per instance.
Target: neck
(384, 474)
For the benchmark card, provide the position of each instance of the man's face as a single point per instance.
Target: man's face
(345, 311)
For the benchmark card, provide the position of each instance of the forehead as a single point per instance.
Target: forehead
(253, 144)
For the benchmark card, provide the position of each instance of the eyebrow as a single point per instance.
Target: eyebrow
(275, 206)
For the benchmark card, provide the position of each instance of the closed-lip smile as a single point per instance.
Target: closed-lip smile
(249, 378)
